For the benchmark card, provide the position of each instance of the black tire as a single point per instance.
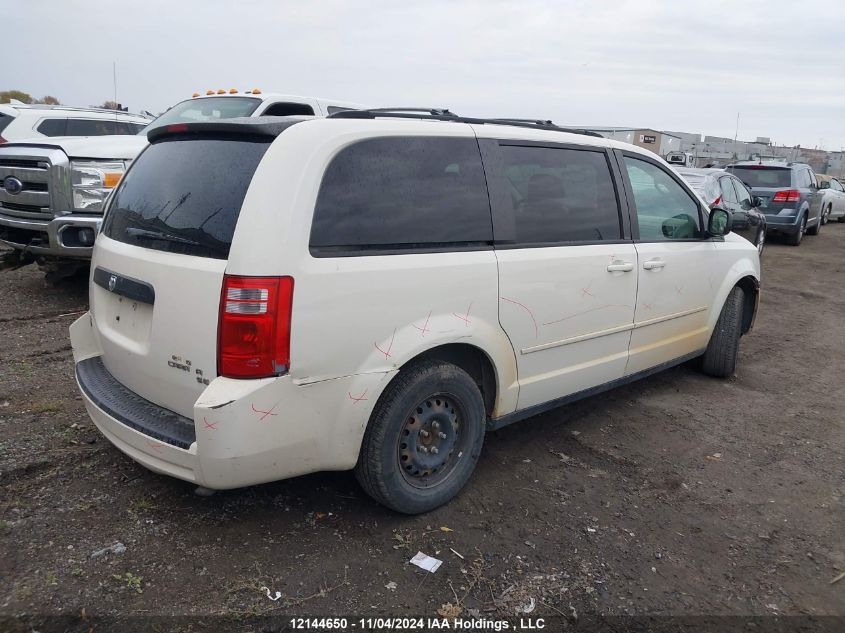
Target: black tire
(795, 240)
(841, 219)
(405, 475)
(720, 358)
(818, 226)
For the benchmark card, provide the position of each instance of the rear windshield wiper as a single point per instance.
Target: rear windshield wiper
(160, 235)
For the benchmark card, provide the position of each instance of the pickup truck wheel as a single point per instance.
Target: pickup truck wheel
(795, 240)
(424, 438)
(720, 358)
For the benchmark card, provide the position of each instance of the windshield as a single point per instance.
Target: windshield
(756, 176)
(211, 109)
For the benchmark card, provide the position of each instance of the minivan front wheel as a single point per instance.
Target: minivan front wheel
(424, 438)
(719, 359)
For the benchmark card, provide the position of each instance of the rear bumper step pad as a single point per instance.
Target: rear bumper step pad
(130, 409)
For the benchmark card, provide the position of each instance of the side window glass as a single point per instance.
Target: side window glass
(834, 184)
(52, 127)
(728, 191)
(742, 194)
(560, 195)
(91, 127)
(665, 211)
(403, 193)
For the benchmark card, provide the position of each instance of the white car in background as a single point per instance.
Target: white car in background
(833, 198)
(19, 121)
(52, 190)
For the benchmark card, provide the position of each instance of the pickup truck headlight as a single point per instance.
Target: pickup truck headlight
(93, 181)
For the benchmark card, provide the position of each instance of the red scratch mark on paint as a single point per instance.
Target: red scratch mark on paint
(156, 446)
(209, 425)
(586, 291)
(265, 413)
(612, 258)
(679, 290)
(647, 306)
(528, 310)
(465, 319)
(425, 327)
(356, 400)
(572, 316)
(389, 347)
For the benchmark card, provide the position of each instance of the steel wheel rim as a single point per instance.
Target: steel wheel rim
(432, 440)
(761, 241)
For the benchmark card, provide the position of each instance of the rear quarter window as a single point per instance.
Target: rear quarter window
(5, 119)
(52, 127)
(185, 195)
(402, 193)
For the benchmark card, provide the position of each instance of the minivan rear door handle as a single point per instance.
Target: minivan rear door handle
(623, 267)
(654, 264)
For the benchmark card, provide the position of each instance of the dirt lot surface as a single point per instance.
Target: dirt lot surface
(680, 494)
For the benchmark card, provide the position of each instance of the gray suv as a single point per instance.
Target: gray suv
(789, 195)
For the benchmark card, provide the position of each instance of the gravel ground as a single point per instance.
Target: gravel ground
(678, 495)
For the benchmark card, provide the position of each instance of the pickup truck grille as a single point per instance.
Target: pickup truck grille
(34, 169)
(25, 164)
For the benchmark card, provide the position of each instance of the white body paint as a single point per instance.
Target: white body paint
(553, 321)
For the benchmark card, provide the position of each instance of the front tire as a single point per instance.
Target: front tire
(719, 359)
(424, 438)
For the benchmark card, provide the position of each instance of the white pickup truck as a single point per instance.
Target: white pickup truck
(53, 190)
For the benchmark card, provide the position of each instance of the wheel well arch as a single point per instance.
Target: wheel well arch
(751, 289)
(473, 360)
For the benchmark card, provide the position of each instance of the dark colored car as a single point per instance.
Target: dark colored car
(789, 194)
(719, 188)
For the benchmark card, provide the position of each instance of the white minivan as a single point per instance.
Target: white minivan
(372, 290)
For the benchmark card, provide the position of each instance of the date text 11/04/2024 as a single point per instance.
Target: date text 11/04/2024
(414, 624)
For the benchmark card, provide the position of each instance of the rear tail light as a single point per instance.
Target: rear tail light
(2, 140)
(254, 327)
(787, 195)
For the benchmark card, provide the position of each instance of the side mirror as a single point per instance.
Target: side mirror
(720, 222)
(824, 185)
(756, 202)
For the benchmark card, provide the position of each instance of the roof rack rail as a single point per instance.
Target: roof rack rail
(444, 114)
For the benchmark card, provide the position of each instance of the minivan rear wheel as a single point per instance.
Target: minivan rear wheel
(795, 239)
(424, 438)
(719, 359)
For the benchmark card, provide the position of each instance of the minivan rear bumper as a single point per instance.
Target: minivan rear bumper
(244, 432)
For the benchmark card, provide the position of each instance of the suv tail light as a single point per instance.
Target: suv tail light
(787, 195)
(2, 140)
(254, 327)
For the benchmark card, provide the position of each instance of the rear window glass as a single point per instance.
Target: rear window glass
(403, 193)
(184, 196)
(207, 109)
(772, 177)
(560, 195)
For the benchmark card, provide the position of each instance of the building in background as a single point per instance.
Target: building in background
(661, 143)
(718, 151)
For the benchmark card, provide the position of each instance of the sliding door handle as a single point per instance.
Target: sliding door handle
(654, 264)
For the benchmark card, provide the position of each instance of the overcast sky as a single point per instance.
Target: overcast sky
(669, 65)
